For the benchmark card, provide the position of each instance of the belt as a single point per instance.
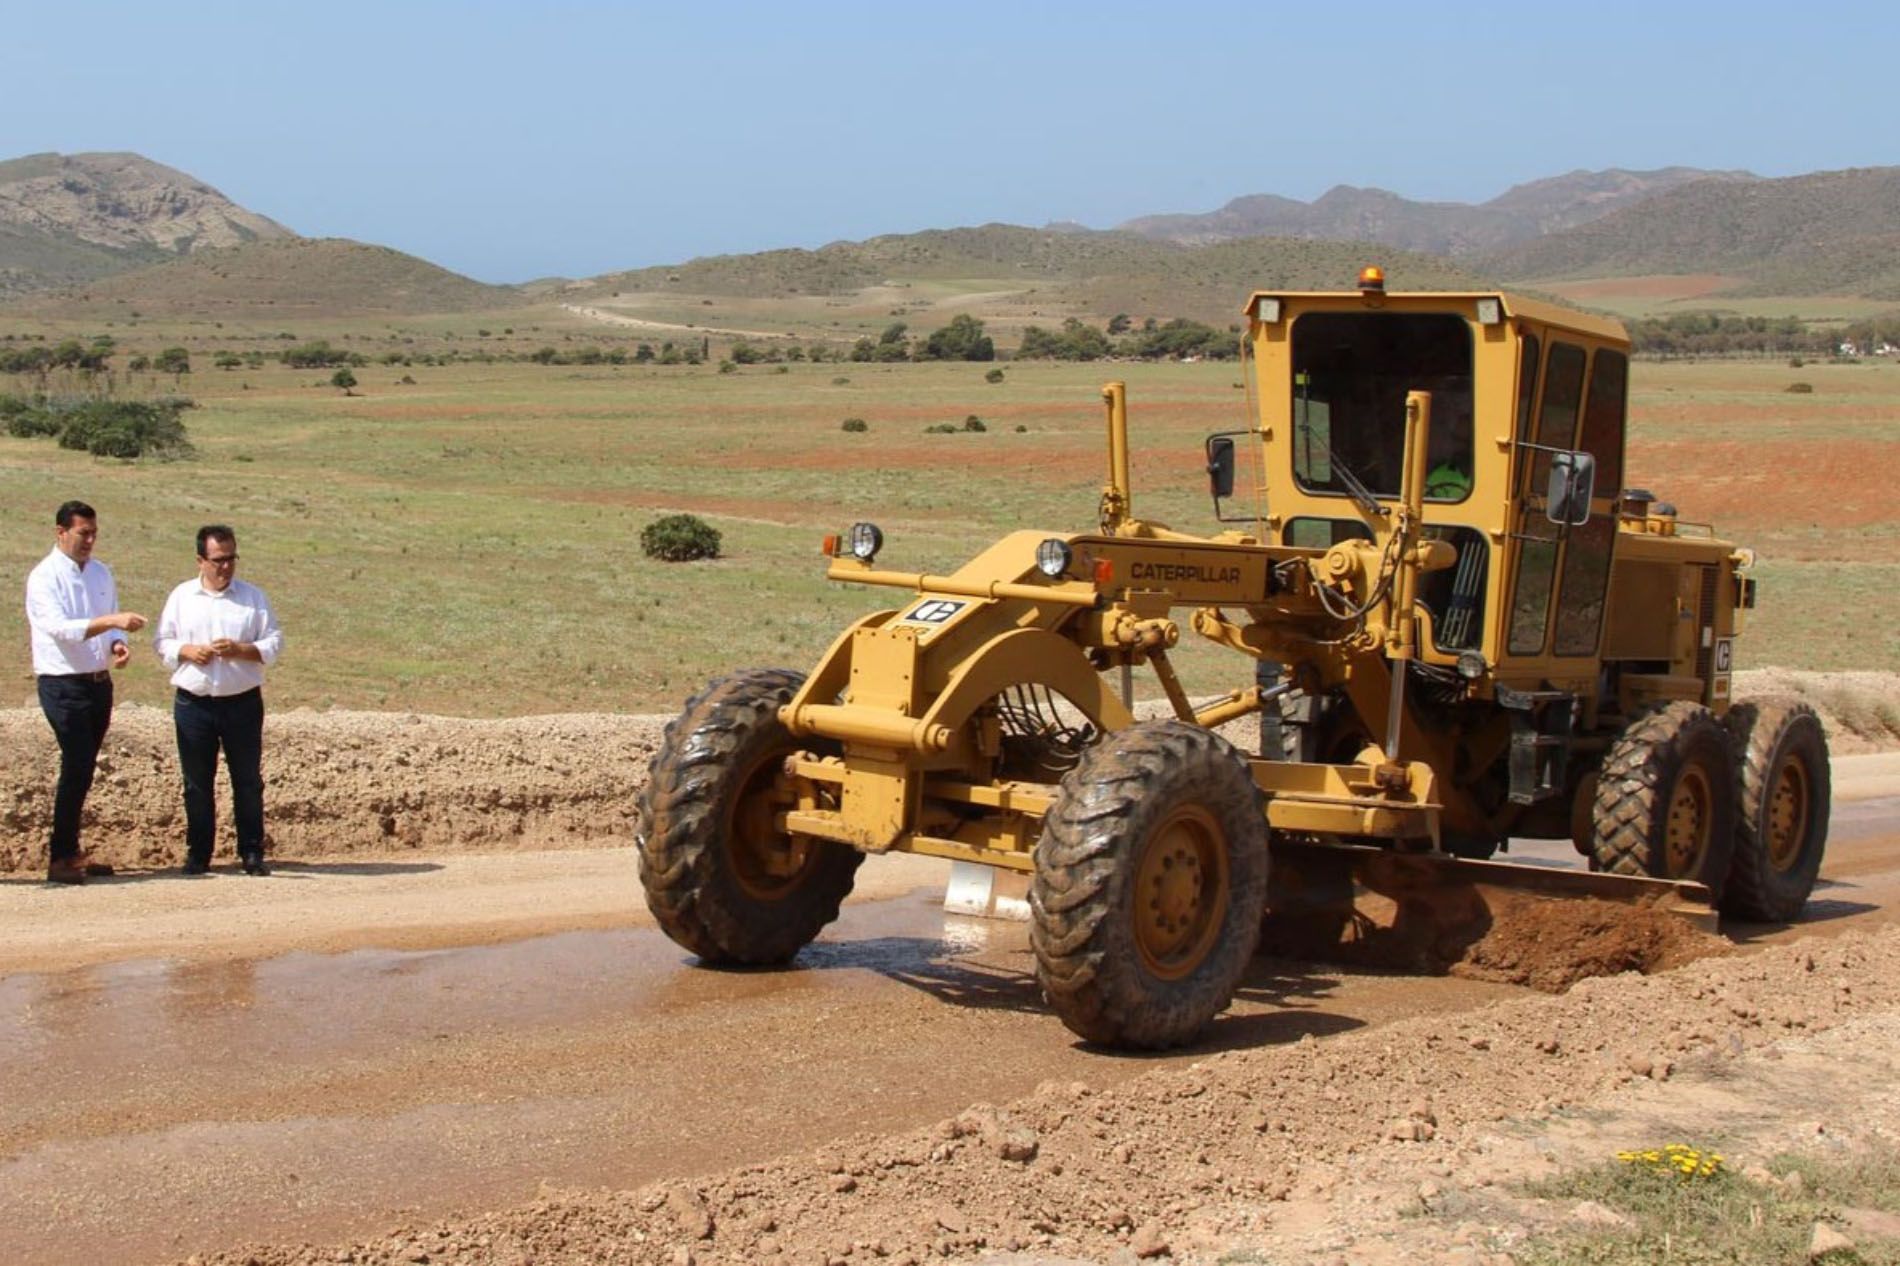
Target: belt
(103, 674)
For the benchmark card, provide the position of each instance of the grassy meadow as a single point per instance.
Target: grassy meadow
(468, 543)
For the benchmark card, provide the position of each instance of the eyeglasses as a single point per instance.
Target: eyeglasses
(226, 561)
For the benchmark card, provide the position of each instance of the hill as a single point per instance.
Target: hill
(1832, 232)
(329, 277)
(1458, 229)
(1087, 271)
(72, 218)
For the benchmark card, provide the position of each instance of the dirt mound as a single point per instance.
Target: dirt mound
(1551, 945)
(1280, 1145)
(1860, 710)
(347, 782)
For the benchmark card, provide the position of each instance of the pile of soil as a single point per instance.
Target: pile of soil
(352, 782)
(1313, 1151)
(346, 782)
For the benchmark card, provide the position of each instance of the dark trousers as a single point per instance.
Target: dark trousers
(204, 725)
(79, 709)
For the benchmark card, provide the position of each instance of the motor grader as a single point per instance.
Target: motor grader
(1462, 629)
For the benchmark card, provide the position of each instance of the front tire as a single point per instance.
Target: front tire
(1785, 790)
(1665, 801)
(1150, 885)
(720, 878)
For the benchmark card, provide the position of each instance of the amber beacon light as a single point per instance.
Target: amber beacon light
(1372, 279)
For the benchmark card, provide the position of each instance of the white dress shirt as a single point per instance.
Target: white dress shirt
(62, 598)
(195, 615)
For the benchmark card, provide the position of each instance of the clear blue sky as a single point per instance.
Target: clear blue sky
(510, 141)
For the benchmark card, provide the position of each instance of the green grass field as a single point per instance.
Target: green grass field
(469, 545)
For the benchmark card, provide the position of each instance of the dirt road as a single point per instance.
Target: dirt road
(191, 1064)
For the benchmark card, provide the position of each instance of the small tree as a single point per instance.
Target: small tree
(679, 538)
(173, 360)
(343, 380)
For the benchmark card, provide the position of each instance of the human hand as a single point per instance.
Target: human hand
(224, 646)
(193, 653)
(130, 621)
(121, 654)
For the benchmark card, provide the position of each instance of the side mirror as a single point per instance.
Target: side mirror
(1220, 466)
(1573, 476)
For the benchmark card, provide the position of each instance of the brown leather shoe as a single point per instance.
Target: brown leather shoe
(66, 870)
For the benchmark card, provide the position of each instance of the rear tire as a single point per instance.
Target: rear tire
(1665, 802)
(1785, 791)
(721, 880)
(1150, 885)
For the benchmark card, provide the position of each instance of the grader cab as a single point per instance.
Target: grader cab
(1458, 628)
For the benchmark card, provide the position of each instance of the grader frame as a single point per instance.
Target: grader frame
(1465, 632)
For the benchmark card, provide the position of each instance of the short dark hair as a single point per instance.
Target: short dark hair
(215, 532)
(70, 510)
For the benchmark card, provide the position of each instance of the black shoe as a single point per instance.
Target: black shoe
(193, 866)
(254, 864)
(66, 870)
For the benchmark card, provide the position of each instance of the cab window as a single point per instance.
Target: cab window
(1351, 371)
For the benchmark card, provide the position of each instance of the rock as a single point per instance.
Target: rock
(951, 1219)
(1149, 1241)
(1122, 1153)
(1640, 1065)
(1479, 1042)
(1409, 1130)
(683, 1256)
(1876, 1223)
(1827, 1240)
(844, 1184)
(1421, 1110)
(1589, 1213)
(690, 1213)
(1429, 1192)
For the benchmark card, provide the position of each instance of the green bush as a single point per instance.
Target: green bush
(974, 423)
(1801, 388)
(679, 538)
(995, 375)
(125, 428)
(942, 428)
(857, 426)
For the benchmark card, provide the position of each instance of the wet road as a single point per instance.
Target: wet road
(149, 1109)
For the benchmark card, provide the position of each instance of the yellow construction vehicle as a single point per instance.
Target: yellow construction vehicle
(1464, 629)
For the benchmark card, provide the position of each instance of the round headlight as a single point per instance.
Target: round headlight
(1471, 666)
(1053, 557)
(866, 541)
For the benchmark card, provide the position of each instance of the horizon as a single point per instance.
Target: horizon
(586, 139)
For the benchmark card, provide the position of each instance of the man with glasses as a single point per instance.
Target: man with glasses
(219, 634)
(78, 637)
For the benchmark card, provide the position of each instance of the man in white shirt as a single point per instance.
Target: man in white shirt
(218, 634)
(78, 637)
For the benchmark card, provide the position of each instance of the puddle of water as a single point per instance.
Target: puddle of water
(109, 1021)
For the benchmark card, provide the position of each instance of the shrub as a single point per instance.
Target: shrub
(857, 426)
(125, 428)
(1801, 388)
(343, 380)
(995, 375)
(942, 428)
(1021, 429)
(839, 382)
(1795, 362)
(974, 423)
(679, 538)
(727, 367)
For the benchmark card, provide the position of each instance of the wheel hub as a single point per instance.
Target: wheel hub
(767, 862)
(1686, 841)
(1180, 893)
(1787, 817)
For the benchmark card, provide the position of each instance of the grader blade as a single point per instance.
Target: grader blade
(1423, 910)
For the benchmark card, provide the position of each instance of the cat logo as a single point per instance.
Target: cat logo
(932, 611)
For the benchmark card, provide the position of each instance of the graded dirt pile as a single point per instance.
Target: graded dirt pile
(347, 782)
(1324, 1151)
(367, 782)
